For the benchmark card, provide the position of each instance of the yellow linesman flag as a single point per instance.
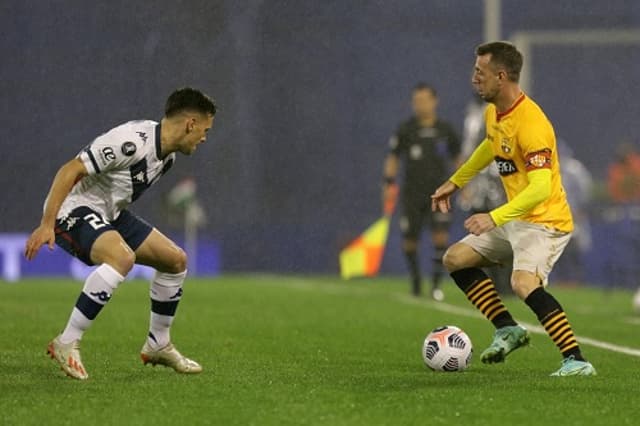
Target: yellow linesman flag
(363, 256)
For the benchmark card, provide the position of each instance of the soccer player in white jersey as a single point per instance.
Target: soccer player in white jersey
(85, 214)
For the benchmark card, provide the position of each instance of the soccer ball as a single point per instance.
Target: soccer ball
(447, 349)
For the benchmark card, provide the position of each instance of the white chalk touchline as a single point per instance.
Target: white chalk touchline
(452, 309)
(331, 288)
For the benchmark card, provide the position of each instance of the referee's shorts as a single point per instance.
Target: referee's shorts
(416, 213)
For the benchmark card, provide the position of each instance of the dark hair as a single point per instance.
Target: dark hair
(188, 99)
(505, 54)
(421, 85)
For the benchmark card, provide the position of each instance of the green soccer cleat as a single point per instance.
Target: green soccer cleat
(573, 367)
(506, 340)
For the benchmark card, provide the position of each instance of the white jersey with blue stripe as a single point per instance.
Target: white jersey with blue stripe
(122, 164)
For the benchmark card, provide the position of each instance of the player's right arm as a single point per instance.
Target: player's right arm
(390, 170)
(66, 177)
(479, 160)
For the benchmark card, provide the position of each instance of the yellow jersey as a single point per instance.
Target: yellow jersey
(523, 140)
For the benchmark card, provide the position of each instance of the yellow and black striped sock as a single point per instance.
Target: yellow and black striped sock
(479, 289)
(555, 322)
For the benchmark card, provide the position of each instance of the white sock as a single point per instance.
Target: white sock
(166, 291)
(97, 291)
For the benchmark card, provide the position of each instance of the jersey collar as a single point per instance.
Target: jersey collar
(158, 145)
(501, 115)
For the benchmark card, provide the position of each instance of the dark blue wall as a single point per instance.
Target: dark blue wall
(308, 92)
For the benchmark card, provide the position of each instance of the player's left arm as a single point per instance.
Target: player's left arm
(538, 191)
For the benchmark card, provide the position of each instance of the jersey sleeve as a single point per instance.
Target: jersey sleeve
(396, 143)
(537, 142)
(109, 153)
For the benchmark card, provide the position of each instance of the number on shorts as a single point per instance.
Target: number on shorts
(94, 220)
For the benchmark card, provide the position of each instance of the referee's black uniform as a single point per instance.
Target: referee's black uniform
(428, 154)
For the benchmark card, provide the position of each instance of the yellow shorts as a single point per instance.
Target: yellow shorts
(522, 245)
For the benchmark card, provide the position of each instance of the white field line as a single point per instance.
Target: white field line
(534, 328)
(632, 320)
(310, 285)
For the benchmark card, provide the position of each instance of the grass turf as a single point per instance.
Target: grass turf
(305, 350)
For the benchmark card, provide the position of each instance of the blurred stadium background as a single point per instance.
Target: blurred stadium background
(309, 93)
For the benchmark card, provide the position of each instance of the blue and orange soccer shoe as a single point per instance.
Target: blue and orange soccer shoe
(506, 340)
(573, 367)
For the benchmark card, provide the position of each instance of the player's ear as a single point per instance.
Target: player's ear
(190, 124)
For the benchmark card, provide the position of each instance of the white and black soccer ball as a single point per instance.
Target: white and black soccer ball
(447, 348)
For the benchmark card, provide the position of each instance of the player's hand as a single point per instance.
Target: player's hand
(441, 199)
(41, 235)
(479, 223)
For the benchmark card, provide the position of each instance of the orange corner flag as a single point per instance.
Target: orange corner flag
(363, 257)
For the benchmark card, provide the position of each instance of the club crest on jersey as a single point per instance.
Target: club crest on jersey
(505, 144)
(128, 148)
(415, 152)
(505, 167)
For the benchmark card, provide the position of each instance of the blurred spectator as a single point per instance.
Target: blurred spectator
(578, 184)
(624, 175)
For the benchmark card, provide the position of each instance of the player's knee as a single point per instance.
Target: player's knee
(523, 283)
(178, 262)
(454, 259)
(123, 262)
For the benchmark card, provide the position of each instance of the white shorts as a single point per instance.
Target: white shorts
(523, 245)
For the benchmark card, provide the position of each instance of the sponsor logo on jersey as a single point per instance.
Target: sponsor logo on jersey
(143, 136)
(128, 148)
(505, 167)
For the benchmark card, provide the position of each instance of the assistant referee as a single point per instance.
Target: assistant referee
(428, 148)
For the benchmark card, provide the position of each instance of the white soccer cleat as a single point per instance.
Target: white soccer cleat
(169, 357)
(68, 356)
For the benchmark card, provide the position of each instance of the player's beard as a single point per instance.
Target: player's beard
(488, 97)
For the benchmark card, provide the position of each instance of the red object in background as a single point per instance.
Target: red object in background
(624, 179)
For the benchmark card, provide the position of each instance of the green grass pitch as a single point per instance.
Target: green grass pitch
(283, 350)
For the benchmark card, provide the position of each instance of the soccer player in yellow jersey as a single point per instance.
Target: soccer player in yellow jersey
(531, 230)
